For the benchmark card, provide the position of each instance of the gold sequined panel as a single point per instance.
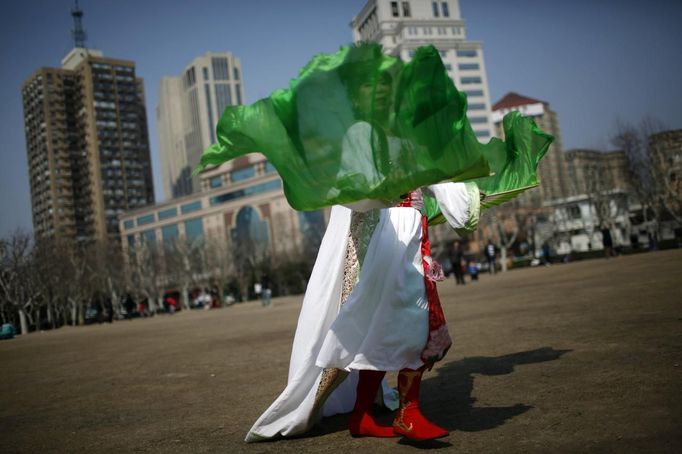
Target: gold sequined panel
(361, 228)
(331, 379)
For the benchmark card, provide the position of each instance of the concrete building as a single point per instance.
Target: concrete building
(599, 197)
(665, 151)
(554, 178)
(403, 26)
(240, 205)
(592, 171)
(187, 113)
(87, 144)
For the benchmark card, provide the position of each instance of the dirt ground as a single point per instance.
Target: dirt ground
(582, 357)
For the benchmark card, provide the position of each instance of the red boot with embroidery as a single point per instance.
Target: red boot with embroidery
(409, 421)
(361, 422)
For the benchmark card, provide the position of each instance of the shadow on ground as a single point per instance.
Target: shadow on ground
(447, 397)
(449, 394)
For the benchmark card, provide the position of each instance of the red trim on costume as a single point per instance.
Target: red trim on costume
(439, 340)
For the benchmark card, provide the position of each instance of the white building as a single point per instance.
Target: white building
(401, 27)
(188, 110)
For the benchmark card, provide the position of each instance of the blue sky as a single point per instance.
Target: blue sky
(593, 60)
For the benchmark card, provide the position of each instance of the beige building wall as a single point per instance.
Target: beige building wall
(188, 110)
(591, 170)
(244, 190)
(88, 119)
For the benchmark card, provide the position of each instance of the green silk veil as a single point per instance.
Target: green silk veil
(359, 124)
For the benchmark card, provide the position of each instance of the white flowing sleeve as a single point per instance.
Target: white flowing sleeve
(460, 203)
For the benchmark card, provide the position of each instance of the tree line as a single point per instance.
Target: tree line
(47, 283)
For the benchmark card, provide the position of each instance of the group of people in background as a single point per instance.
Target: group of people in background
(462, 264)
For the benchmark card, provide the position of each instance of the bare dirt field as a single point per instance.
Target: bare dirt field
(582, 357)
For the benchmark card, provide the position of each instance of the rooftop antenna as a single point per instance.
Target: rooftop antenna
(78, 32)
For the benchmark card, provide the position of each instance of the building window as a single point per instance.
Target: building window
(220, 68)
(190, 77)
(243, 174)
(251, 190)
(474, 92)
(471, 80)
(236, 73)
(435, 9)
(448, 67)
(238, 92)
(574, 212)
(476, 107)
(168, 234)
(190, 207)
(205, 71)
(167, 214)
(394, 9)
(269, 168)
(129, 224)
(443, 53)
(478, 120)
(250, 231)
(482, 133)
(312, 227)
(467, 53)
(216, 182)
(446, 10)
(194, 229)
(207, 92)
(468, 66)
(147, 219)
(406, 9)
(223, 97)
(149, 238)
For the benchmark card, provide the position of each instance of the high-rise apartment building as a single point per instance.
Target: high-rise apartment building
(87, 144)
(554, 179)
(403, 26)
(189, 108)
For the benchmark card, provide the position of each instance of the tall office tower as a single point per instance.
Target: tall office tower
(87, 144)
(189, 108)
(553, 173)
(403, 26)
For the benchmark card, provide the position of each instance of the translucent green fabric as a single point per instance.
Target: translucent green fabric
(359, 124)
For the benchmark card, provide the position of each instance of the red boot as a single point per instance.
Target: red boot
(361, 422)
(409, 421)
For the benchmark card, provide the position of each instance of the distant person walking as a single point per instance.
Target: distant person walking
(607, 241)
(472, 267)
(491, 257)
(266, 292)
(456, 259)
(546, 254)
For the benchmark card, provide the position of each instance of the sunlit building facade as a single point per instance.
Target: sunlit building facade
(403, 26)
(241, 204)
(187, 112)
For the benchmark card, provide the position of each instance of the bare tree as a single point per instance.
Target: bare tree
(145, 275)
(219, 264)
(652, 173)
(16, 276)
(501, 225)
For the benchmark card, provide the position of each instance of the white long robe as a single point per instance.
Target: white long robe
(382, 326)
